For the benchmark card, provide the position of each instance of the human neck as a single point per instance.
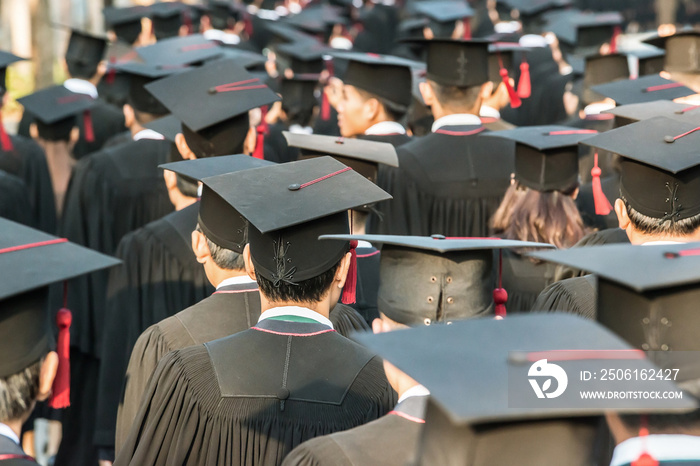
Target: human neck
(439, 111)
(16, 426)
(136, 128)
(179, 200)
(322, 307)
(637, 237)
(219, 275)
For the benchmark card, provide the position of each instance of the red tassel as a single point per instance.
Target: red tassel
(5, 140)
(248, 25)
(112, 71)
(515, 101)
(187, 21)
(524, 87)
(350, 288)
(602, 204)
(645, 459)
(60, 397)
(500, 295)
(87, 126)
(613, 41)
(467, 29)
(325, 107)
(259, 151)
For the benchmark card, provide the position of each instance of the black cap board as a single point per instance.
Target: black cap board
(643, 89)
(601, 69)
(628, 114)
(55, 109)
(30, 260)
(169, 126)
(6, 59)
(584, 32)
(140, 74)
(301, 56)
(444, 11)
(387, 76)
(317, 18)
(535, 7)
(461, 63)
(219, 221)
(660, 169)
(177, 51)
(244, 58)
(427, 280)
(289, 206)
(650, 59)
(167, 18)
(682, 51)
(125, 22)
(546, 157)
(84, 53)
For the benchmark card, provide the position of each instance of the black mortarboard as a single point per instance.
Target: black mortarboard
(125, 22)
(386, 76)
(650, 60)
(30, 260)
(167, 18)
(501, 57)
(628, 114)
(140, 74)
(178, 51)
(54, 110)
(245, 58)
(535, 7)
(426, 280)
(601, 69)
(660, 169)
(442, 15)
(361, 155)
(298, 93)
(459, 63)
(546, 157)
(213, 103)
(6, 59)
(169, 126)
(301, 56)
(289, 206)
(317, 19)
(219, 221)
(643, 89)
(584, 33)
(682, 51)
(84, 53)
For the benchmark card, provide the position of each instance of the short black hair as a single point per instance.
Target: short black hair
(655, 226)
(19, 391)
(456, 97)
(81, 70)
(311, 290)
(396, 112)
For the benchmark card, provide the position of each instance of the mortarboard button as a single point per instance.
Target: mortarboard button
(437, 236)
(294, 187)
(282, 394)
(669, 139)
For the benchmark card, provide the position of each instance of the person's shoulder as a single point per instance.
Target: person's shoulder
(575, 295)
(318, 451)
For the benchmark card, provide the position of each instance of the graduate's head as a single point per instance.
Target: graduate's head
(376, 88)
(681, 61)
(6, 59)
(125, 23)
(56, 111)
(84, 55)
(299, 100)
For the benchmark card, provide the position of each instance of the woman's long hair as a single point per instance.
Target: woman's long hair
(546, 217)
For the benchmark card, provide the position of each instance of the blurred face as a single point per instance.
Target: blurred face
(353, 113)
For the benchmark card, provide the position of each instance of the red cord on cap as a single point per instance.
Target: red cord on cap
(500, 295)
(524, 85)
(238, 86)
(22, 247)
(190, 48)
(602, 204)
(349, 295)
(5, 140)
(60, 392)
(261, 130)
(466, 22)
(515, 101)
(571, 131)
(87, 125)
(662, 87)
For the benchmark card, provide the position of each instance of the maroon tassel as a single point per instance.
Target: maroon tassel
(515, 101)
(5, 140)
(602, 204)
(325, 107)
(524, 86)
(613, 41)
(60, 392)
(261, 130)
(350, 288)
(500, 295)
(87, 126)
(645, 459)
(112, 71)
(467, 29)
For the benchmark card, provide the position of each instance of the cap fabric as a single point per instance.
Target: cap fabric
(682, 51)
(167, 19)
(460, 63)
(643, 89)
(55, 109)
(177, 51)
(660, 170)
(546, 157)
(600, 69)
(84, 53)
(428, 280)
(383, 75)
(584, 33)
(6, 59)
(140, 74)
(219, 221)
(298, 93)
(125, 22)
(628, 114)
(289, 206)
(302, 56)
(444, 11)
(169, 126)
(650, 60)
(535, 7)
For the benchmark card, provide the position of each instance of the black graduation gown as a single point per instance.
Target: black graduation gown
(524, 280)
(389, 441)
(250, 398)
(27, 161)
(597, 238)
(586, 205)
(367, 288)
(14, 200)
(447, 183)
(577, 295)
(159, 278)
(15, 456)
(276, 148)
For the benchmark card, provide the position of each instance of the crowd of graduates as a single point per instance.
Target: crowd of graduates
(316, 233)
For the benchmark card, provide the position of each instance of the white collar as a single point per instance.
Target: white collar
(364, 244)
(489, 112)
(240, 280)
(598, 108)
(416, 390)
(80, 86)
(148, 134)
(298, 129)
(661, 447)
(385, 127)
(456, 119)
(9, 433)
(295, 311)
(660, 243)
(221, 36)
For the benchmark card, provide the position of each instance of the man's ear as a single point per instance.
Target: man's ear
(371, 109)
(183, 148)
(170, 180)
(74, 136)
(623, 218)
(486, 90)
(34, 131)
(249, 267)
(342, 273)
(46, 375)
(129, 115)
(251, 139)
(427, 92)
(200, 247)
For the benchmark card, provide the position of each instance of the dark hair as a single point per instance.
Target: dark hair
(655, 226)
(223, 258)
(299, 116)
(456, 97)
(81, 70)
(57, 131)
(311, 290)
(529, 215)
(19, 391)
(395, 112)
(664, 423)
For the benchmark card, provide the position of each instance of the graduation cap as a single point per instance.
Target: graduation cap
(427, 280)
(55, 110)
(459, 63)
(546, 157)
(650, 60)
(140, 74)
(628, 114)
(169, 126)
(245, 58)
(317, 19)
(531, 8)
(219, 221)
(583, 33)
(6, 59)
(289, 206)
(601, 69)
(298, 93)
(167, 18)
(212, 102)
(644, 89)
(125, 22)
(682, 50)
(501, 64)
(361, 155)
(443, 14)
(303, 56)
(386, 76)
(177, 51)
(30, 261)
(84, 53)
(660, 170)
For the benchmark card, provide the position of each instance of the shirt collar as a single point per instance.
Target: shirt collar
(384, 128)
(9, 433)
(456, 119)
(240, 280)
(148, 134)
(80, 86)
(416, 390)
(295, 311)
(221, 36)
(298, 129)
(660, 243)
(364, 244)
(661, 447)
(489, 112)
